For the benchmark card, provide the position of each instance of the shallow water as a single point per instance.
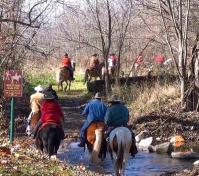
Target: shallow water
(144, 164)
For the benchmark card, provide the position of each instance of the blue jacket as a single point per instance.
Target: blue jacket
(95, 110)
(117, 115)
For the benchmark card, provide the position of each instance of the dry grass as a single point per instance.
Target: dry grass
(143, 100)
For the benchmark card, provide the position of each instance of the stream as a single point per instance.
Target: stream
(144, 164)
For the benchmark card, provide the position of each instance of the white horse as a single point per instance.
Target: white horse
(120, 140)
(16, 78)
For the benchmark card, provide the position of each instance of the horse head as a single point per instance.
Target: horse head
(96, 142)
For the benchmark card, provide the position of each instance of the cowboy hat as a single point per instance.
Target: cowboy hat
(48, 95)
(114, 98)
(39, 88)
(97, 95)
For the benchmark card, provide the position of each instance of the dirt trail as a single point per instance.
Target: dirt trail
(72, 107)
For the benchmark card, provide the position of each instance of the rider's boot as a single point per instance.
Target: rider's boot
(81, 144)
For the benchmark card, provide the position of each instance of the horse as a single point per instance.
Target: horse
(96, 142)
(48, 137)
(120, 141)
(93, 73)
(15, 78)
(63, 75)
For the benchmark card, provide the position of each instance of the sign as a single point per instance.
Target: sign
(13, 83)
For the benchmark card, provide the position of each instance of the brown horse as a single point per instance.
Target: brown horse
(96, 142)
(93, 73)
(63, 75)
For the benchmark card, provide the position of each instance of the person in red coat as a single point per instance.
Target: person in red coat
(50, 112)
(66, 63)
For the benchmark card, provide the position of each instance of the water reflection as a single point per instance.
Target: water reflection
(144, 164)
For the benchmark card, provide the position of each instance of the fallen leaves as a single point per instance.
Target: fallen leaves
(22, 158)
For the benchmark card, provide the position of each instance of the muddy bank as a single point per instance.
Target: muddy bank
(166, 125)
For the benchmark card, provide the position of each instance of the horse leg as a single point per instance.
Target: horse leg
(86, 76)
(39, 144)
(61, 83)
(56, 146)
(66, 86)
(69, 85)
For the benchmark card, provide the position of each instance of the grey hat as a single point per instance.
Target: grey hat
(48, 95)
(114, 98)
(97, 95)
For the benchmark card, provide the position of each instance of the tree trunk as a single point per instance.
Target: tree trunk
(183, 90)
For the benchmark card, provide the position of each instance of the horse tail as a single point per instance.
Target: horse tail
(97, 146)
(120, 152)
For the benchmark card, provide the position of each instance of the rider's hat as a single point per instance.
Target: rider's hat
(98, 96)
(48, 95)
(114, 99)
(39, 88)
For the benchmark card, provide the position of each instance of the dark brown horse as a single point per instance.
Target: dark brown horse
(96, 142)
(94, 73)
(48, 136)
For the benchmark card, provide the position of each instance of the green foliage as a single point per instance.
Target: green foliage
(40, 78)
(44, 79)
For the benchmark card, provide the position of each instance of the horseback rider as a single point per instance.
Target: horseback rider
(117, 115)
(50, 89)
(50, 113)
(93, 62)
(112, 62)
(95, 111)
(35, 101)
(66, 63)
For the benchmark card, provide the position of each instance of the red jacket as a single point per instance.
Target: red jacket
(51, 112)
(66, 62)
(159, 59)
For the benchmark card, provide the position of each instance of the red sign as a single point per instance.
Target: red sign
(13, 83)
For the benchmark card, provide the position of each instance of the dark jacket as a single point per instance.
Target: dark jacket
(117, 115)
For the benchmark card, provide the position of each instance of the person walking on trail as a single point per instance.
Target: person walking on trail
(66, 63)
(93, 62)
(95, 111)
(50, 89)
(117, 115)
(50, 112)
